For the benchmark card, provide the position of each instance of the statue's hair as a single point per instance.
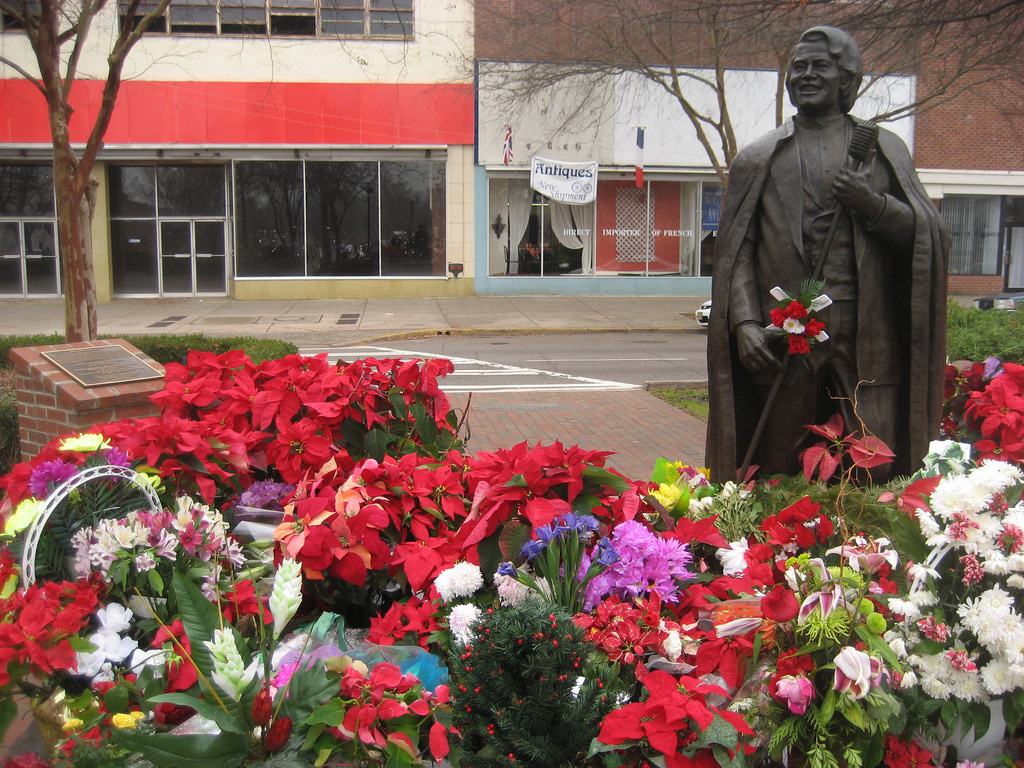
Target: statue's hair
(844, 50)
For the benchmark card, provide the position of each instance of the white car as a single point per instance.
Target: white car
(703, 314)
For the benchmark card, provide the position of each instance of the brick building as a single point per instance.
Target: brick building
(659, 238)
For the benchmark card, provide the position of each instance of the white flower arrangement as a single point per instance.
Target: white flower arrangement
(975, 650)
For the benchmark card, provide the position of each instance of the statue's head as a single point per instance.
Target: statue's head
(825, 71)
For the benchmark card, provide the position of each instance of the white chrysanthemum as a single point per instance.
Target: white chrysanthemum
(904, 608)
(923, 599)
(700, 507)
(929, 525)
(909, 679)
(999, 677)
(996, 476)
(461, 621)
(792, 325)
(897, 644)
(959, 493)
(940, 680)
(461, 580)
(511, 592)
(1016, 581)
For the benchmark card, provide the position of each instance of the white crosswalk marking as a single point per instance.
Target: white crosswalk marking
(472, 375)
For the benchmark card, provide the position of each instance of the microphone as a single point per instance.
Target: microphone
(863, 141)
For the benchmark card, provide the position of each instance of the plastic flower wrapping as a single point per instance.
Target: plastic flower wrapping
(400, 601)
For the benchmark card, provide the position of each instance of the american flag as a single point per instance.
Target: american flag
(506, 150)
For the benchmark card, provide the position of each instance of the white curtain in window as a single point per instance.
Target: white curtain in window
(567, 221)
(520, 201)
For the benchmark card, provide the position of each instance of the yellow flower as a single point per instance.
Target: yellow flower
(667, 495)
(23, 516)
(128, 721)
(154, 481)
(73, 724)
(84, 443)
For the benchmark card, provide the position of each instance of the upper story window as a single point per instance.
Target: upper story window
(323, 18)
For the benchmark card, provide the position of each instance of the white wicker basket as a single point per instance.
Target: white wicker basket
(62, 491)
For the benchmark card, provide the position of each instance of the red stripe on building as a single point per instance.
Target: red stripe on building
(206, 113)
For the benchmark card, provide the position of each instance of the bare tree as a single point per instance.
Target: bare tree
(685, 47)
(58, 32)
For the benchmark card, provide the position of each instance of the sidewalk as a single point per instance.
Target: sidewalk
(350, 321)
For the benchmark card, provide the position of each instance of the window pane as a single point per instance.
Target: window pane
(191, 190)
(412, 218)
(710, 212)
(134, 259)
(391, 23)
(132, 191)
(341, 213)
(39, 238)
(10, 239)
(41, 275)
(26, 190)
(569, 234)
(270, 235)
(974, 225)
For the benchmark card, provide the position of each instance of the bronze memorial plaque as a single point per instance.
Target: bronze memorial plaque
(100, 366)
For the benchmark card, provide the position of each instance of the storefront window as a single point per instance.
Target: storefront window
(974, 225)
(29, 262)
(341, 218)
(269, 219)
(532, 235)
(412, 205)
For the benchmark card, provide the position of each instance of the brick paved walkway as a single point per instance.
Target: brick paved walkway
(636, 425)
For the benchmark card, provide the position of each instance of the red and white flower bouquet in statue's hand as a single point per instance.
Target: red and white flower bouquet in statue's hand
(797, 320)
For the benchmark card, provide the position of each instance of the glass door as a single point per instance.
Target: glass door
(1013, 244)
(29, 264)
(192, 257)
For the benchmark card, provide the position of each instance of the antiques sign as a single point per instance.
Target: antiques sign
(564, 182)
(99, 366)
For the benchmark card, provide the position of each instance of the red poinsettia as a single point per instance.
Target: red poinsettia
(799, 526)
(410, 622)
(669, 719)
(863, 451)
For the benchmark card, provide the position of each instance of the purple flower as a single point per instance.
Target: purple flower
(507, 569)
(533, 548)
(606, 554)
(646, 563)
(582, 525)
(548, 533)
(993, 367)
(118, 458)
(265, 494)
(49, 475)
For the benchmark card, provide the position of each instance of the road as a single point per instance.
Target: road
(553, 362)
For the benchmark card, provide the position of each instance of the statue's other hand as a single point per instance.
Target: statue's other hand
(752, 347)
(852, 190)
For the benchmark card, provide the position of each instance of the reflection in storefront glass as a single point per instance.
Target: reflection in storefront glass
(341, 218)
(412, 218)
(269, 219)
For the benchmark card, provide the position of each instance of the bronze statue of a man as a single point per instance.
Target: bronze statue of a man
(884, 270)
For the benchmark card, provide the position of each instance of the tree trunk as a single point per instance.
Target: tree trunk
(76, 201)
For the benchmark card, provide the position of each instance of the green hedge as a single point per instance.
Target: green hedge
(974, 334)
(8, 432)
(170, 348)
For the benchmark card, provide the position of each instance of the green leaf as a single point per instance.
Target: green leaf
(398, 403)
(156, 582)
(81, 645)
(606, 478)
(332, 713)
(905, 535)
(8, 711)
(947, 714)
(982, 720)
(854, 714)
(597, 747)
(208, 709)
(827, 708)
(116, 699)
(168, 750)
(873, 751)
(308, 690)
(376, 443)
(879, 646)
(720, 732)
(425, 426)
(663, 471)
(517, 481)
(199, 617)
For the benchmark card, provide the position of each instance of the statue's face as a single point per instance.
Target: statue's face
(814, 79)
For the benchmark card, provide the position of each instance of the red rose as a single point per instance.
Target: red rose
(278, 734)
(796, 309)
(780, 604)
(798, 345)
(777, 316)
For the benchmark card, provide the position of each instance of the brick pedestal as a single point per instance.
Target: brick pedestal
(52, 404)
